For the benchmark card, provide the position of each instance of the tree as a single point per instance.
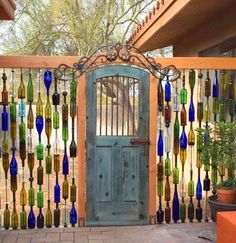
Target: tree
(71, 27)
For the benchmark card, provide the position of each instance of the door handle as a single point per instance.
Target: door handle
(140, 141)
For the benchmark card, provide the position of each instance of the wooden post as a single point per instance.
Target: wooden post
(81, 150)
(152, 149)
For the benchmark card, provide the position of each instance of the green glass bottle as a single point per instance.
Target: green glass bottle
(48, 119)
(6, 218)
(31, 196)
(56, 120)
(30, 118)
(23, 195)
(40, 197)
(176, 175)
(39, 106)
(30, 89)
(40, 151)
(65, 131)
(73, 192)
(21, 89)
(48, 216)
(5, 154)
(65, 189)
(48, 164)
(40, 175)
(14, 218)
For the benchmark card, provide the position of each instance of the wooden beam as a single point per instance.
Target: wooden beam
(152, 149)
(7, 10)
(180, 62)
(81, 128)
(36, 61)
(203, 63)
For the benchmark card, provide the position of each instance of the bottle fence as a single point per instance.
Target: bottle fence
(39, 147)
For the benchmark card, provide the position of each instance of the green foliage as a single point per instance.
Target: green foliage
(218, 146)
(71, 27)
(228, 184)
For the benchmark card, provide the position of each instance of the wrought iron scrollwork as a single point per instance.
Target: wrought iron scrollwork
(123, 54)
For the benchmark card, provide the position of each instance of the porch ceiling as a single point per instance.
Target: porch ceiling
(164, 28)
(7, 9)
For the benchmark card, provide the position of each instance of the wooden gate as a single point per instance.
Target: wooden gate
(117, 145)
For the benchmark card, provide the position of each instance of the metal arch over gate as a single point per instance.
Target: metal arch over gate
(117, 135)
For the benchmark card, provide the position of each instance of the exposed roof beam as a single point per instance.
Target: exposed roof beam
(7, 9)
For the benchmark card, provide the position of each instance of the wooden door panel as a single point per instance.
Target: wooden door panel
(103, 174)
(130, 174)
(117, 170)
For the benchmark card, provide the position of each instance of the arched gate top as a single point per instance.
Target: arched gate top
(117, 54)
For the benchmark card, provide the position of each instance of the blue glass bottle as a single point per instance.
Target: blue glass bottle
(73, 216)
(215, 88)
(39, 125)
(167, 91)
(13, 164)
(160, 147)
(191, 113)
(175, 206)
(57, 193)
(31, 219)
(65, 164)
(4, 119)
(199, 189)
(183, 140)
(47, 80)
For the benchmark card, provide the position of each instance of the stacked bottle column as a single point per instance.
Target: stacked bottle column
(231, 105)
(22, 146)
(30, 154)
(48, 131)
(206, 183)
(13, 168)
(167, 149)
(56, 156)
(199, 148)
(183, 149)
(73, 151)
(5, 147)
(175, 203)
(222, 118)
(215, 112)
(160, 153)
(40, 154)
(65, 163)
(191, 143)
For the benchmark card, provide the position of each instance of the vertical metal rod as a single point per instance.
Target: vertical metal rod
(128, 111)
(106, 104)
(112, 83)
(133, 106)
(100, 107)
(117, 105)
(123, 105)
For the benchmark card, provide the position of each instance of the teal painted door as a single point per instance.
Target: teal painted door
(117, 146)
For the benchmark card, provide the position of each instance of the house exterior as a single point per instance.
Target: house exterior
(192, 27)
(7, 9)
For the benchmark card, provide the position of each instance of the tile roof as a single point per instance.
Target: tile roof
(150, 17)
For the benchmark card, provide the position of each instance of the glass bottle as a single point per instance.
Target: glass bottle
(6, 217)
(14, 218)
(160, 147)
(30, 89)
(208, 85)
(160, 95)
(31, 219)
